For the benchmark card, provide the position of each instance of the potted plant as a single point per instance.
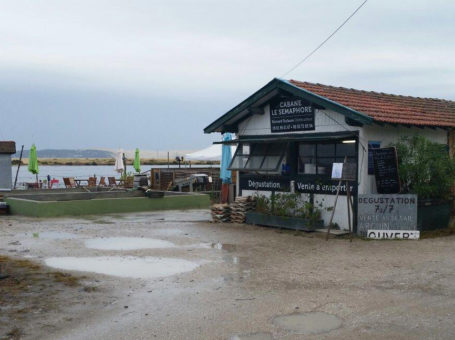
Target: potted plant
(127, 179)
(285, 210)
(426, 169)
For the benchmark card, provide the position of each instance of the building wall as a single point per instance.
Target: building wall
(5, 172)
(325, 121)
(330, 121)
(387, 135)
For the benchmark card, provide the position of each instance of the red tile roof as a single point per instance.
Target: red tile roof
(388, 108)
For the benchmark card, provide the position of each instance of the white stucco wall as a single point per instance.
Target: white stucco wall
(387, 135)
(330, 121)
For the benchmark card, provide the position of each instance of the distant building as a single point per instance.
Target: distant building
(7, 148)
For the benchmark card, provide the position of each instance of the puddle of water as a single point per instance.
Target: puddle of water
(253, 336)
(174, 216)
(127, 243)
(55, 235)
(308, 323)
(133, 267)
(168, 232)
(224, 246)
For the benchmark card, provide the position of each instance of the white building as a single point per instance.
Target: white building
(7, 148)
(291, 132)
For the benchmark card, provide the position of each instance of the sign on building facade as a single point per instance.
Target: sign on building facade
(386, 212)
(393, 234)
(327, 186)
(291, 114)
(264, 183)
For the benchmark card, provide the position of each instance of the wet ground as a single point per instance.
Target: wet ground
(174, 275)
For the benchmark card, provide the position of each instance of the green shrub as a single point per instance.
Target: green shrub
(289, 205)
(424, 167)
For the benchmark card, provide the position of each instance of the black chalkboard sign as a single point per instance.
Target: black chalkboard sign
(386, 170)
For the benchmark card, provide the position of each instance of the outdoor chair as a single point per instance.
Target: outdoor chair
(69, 182)
(129, 181)
(53, 182)
(102, 182)
(112, 181)
(92, 182)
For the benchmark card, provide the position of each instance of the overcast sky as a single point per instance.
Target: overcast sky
(153, 74)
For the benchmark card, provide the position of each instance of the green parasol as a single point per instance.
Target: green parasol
(33, 162)
(137, 161)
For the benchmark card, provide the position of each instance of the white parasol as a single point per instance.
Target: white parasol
(119, 166)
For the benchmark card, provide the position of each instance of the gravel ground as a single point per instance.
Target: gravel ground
(244, 283)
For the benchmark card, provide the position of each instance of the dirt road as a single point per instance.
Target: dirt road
(173, 275)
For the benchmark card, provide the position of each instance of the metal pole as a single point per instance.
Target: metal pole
(124, 165)
(348, 198)
(18, 166)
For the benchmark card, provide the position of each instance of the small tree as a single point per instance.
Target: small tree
(425, 168)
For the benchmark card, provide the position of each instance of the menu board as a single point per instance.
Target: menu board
(386, 212)
(291, 114)
(386, 170)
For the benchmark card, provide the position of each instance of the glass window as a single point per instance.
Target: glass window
(326, 150)
(317, 159)
(372, 145)
(258, 156)
(308, 150)
(345, 149)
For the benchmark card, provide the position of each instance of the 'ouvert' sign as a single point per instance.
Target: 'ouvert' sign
(386, 212)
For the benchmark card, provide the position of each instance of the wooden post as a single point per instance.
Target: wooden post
(451, 145)
(333, 211)
(18, 167)
(273, 202)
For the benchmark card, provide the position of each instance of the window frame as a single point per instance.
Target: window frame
(334, 158)
(264, 155)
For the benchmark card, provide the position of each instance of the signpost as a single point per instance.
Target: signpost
(386, 170)
(387, 213)
(291, 114)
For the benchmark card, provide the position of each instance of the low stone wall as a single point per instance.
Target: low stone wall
(27, 207)
(76, 196)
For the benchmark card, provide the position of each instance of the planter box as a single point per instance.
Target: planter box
(294, 223)
(433, 214)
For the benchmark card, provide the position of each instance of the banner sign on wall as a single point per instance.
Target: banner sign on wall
(291, 114)
(323, 186)
(386, 212)
(263, 183)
